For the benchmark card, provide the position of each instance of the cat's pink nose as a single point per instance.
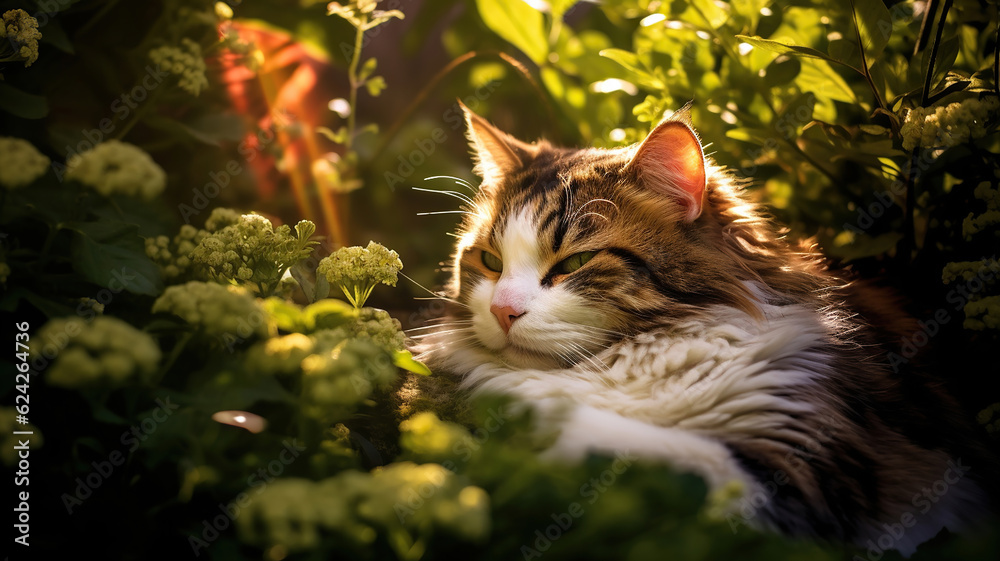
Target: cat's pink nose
(505, 315)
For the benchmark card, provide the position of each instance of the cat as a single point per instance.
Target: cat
(639, 302)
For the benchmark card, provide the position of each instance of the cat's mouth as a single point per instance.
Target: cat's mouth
(519, 353)
(527, 357)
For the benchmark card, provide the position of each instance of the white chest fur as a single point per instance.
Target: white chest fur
(665, 395)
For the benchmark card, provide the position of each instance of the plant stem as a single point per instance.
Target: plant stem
(352, 76)
(925, 26)
(864, 59)
(904, 248)
(96, 17)
(49, 238)
(934, 50)
(138, 114)
(350, 298)
(996, 56)
(174, 354)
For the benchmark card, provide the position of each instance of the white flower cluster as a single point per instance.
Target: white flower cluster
(19, 37)
(296, 513)
(174, 256)
(252, 251)
(118, 167)
(973, 224)
(185, 61)
(20, 162)
(356, 270)
(947, 125)
(106, 351)
(217, 309)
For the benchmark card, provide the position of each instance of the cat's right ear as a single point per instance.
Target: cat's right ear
(670, 161)
(496, 153)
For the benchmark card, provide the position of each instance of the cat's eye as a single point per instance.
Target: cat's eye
(492, 262)
(574, 262)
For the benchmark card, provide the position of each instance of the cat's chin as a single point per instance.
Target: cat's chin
(523, 357)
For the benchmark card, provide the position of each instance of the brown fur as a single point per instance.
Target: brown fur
(878, 437)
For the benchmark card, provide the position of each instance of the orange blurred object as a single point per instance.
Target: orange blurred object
(282, 88)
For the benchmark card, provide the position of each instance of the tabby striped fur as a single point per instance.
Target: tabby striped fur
(697, 336)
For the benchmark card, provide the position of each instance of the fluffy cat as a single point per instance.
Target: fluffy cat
(640, 303)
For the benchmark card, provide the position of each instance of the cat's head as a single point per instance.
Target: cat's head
(565, 251)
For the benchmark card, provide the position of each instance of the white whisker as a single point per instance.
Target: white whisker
(575, 214)
(470, 213)
(457, 180)
(435, 295)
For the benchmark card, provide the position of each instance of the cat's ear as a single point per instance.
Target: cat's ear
(496, 153)
(670, 161)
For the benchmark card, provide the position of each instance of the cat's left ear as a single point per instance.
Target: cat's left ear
(496, 153)
(670, 161)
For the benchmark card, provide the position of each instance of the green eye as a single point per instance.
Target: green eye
(574, 262)
(492, 262)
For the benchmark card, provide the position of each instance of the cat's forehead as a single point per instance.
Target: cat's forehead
(559, 197)
(555, 178)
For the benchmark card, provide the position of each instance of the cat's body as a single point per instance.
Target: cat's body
(641, 305)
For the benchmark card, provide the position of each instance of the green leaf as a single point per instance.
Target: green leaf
(632, 63)
(784, 49)
(321, 289)
(113, 255)
(873, 129)
(518, 23)
(285, 315)
(11, 299)
(782, 70)
(405, 360)
(340, 137)
(817, 76)
(866, 246)
(22, 104)
(304, 230)
(56, 36)
(327, 314)
(559, 7)
(375, 86)
(945, 61)
(874, 27)
(367, 69)
(379, 17)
